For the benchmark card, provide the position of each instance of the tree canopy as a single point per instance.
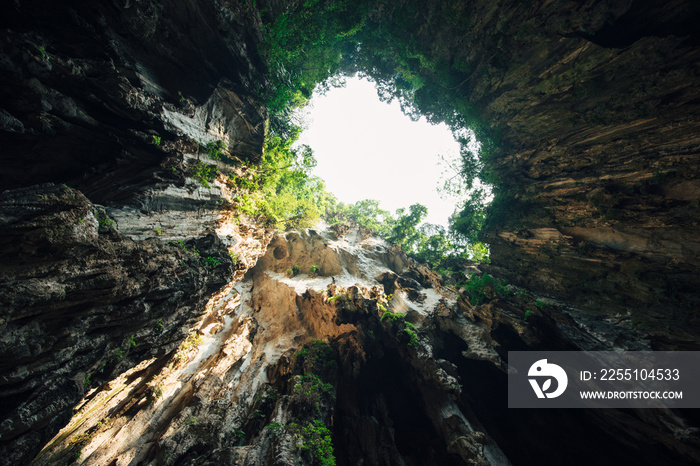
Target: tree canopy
(321, 41)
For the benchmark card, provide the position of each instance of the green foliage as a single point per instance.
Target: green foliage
(233, 256)
(190, 421)
(365, 213)
(88, 382)
(469, 221)
(193, 340)
(317, 439)
(313, 269)
(275, 427)
(215, 150)
(158, 231)
(281, 189)
(405, 327)
(156, 140)
(319, 355)
(311, 382)
(477, 287)
(211, 262)
(117, 355)
(44, 56)
(204, 173)
(542, 304)
(321, 41)
(528, 314)
(304, 47)
(405, 231)
(181, 99)
(333, 299)
(296, 269)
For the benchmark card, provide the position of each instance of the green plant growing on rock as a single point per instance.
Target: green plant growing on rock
(542, 304)
(215, 149)
(204, 173)
(156, 140)
(317, 356)
(404, 327)
(313, 269)
(211, 262)
(193, 340)
(343, 301)
(477, 287)
(527, 315)
(233, 256)
(44, 56)
(317, 439)
(275, 427)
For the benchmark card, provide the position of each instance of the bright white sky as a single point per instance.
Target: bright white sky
(367, 149)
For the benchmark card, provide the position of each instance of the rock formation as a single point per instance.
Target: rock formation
(145, 320)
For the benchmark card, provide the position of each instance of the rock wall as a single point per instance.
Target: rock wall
(111, 246)
(595, 109)
(417, 377)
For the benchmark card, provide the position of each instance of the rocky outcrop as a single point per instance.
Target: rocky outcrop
(82, 303)
(111, 242)
(283, 364)
(595, 111)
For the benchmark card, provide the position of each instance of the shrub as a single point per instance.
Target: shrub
(476, 287)
(317, 439)
(405, 327)
(211, 262)
(215, 150)
(313, 268)
(204, 173)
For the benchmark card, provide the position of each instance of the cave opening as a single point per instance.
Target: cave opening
(369, 149)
